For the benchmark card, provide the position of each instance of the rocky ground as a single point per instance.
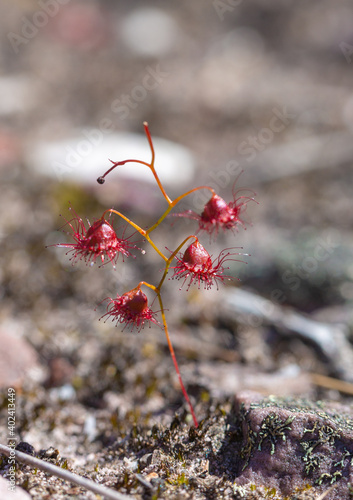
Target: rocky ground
(267, 360)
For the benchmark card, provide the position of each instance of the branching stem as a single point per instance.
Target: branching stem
(139, 229)
(167, 260)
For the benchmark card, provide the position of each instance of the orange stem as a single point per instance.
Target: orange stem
(170, 259)
(139, 229)
(149, 138)
(175, 202)
(101, 179)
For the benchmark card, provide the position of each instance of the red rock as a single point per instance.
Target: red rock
(290, 443)
(17, 359)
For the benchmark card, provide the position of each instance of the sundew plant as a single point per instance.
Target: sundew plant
(189, 262)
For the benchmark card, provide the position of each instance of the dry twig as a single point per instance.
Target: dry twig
(64, 474)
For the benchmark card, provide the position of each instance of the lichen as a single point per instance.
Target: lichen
(273, 428)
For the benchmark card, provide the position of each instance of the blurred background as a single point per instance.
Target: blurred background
(227, 86)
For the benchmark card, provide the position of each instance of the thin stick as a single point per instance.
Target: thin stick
(332, 383)
(66, 475)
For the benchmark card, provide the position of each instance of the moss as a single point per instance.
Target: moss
(181, 480)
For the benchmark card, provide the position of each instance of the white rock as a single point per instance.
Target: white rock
(149, 32)
(16, 494)
(18, 94)
(85, 156)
